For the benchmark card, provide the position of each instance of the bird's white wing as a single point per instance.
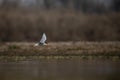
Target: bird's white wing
(43, 39)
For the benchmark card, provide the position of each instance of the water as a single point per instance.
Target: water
(60, 70)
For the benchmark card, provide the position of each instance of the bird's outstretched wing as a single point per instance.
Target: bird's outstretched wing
(44, 38)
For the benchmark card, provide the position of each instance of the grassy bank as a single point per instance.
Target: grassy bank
(60, 50)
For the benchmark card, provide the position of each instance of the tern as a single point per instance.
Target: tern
(42, 41)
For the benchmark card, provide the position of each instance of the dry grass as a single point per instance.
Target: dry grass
(61, 49)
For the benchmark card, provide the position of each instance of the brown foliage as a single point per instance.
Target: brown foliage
(21, 25)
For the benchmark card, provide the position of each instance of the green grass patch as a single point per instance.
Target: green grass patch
(24, 58)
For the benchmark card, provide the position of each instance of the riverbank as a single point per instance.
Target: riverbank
(60, 50)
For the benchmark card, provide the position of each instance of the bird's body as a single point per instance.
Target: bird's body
(42, 41)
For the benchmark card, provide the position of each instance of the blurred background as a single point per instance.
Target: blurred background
(61, 20)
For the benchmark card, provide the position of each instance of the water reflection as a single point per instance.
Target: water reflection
(60, 70)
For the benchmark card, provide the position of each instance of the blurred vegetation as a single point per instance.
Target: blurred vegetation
(90, 6)
(61, 20)
(82, 50)
(19, 25)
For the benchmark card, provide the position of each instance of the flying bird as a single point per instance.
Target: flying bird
(42, 41)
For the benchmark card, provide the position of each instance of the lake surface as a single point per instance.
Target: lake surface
(68, 69)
